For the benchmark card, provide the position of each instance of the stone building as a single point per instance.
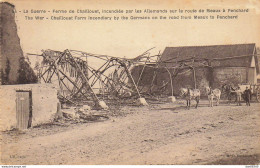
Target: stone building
(220, 64)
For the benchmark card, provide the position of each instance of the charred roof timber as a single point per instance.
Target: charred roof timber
(122, 78)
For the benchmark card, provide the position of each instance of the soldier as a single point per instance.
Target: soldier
(247, 94)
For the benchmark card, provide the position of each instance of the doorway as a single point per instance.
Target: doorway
(23, 109)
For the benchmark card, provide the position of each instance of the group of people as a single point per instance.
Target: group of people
(230, 91)
(247, 96)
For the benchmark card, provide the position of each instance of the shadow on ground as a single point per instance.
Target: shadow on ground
(238, 160)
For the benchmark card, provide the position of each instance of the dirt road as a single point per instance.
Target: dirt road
(159, 134)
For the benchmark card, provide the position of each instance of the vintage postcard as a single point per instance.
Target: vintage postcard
(130, 82)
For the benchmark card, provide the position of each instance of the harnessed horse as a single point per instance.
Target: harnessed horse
(229, 91)
(215, 93)
(190, 94)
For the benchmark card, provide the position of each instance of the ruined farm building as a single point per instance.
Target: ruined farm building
(234, 64)
(214, 66)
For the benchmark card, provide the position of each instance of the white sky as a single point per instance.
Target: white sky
(131, 38)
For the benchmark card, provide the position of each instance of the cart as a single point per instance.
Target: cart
(255, 89)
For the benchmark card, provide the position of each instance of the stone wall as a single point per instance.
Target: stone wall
(184, 79)
(147, 74)
(44, 104)
(229, 75)
(205, 76)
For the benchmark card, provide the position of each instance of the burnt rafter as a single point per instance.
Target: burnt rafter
(70, 74)
(78, 78)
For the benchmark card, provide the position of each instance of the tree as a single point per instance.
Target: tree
(26, 73)
(5, 73)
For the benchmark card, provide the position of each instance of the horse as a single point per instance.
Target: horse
(190, 94)
(215, 93)
(229, 91)
(232, 92)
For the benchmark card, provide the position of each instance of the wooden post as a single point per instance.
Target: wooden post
(194, 78)
(142, 70)
(170, 79)
(85, 81)
(131, 77)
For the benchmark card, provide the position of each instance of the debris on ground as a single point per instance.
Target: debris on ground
(172, 99)
(141, 102)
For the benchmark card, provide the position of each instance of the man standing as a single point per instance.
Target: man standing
(247, 94)
(238, 92)
(210, 97)
(188, 97)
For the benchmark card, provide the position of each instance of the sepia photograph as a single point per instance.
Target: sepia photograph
(130, 82)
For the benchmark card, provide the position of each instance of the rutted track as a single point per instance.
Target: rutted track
(160, 134)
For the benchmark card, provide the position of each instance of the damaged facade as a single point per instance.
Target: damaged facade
(201, 66)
